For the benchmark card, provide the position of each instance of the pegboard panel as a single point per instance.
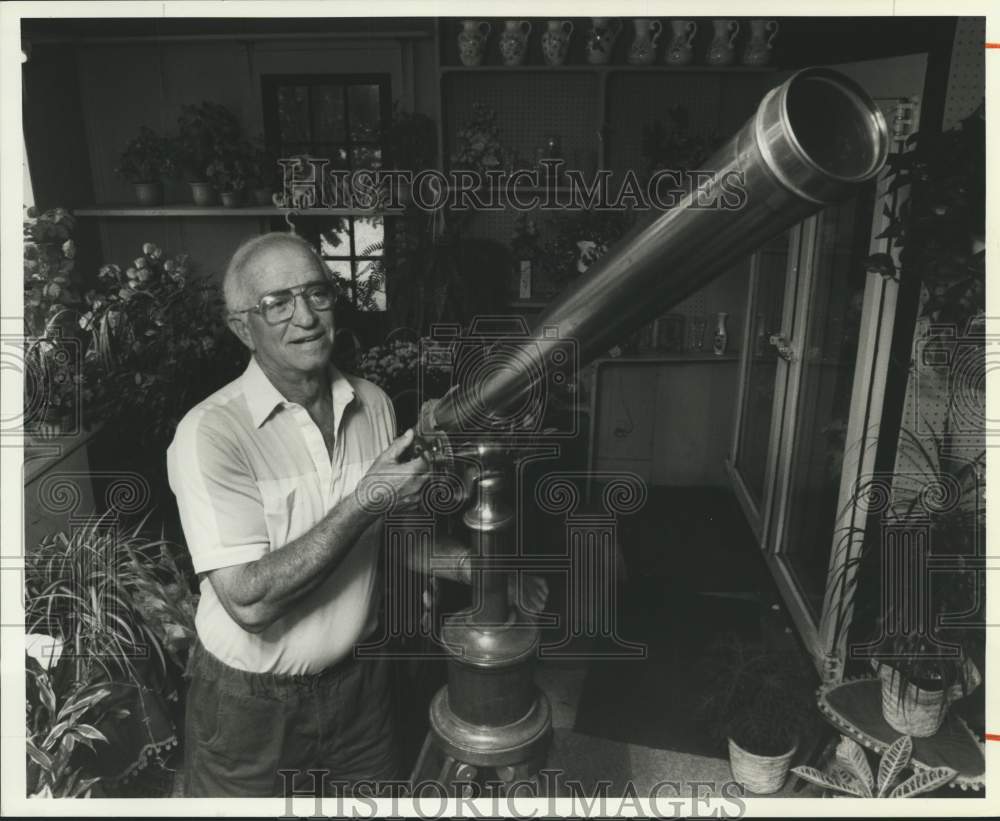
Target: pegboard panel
(530, 107)
(967, 78)
(636, 100)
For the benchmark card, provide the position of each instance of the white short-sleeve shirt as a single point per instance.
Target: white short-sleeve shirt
(251, 473)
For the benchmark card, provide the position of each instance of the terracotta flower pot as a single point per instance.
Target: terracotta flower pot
(148, 193)
(202, 193)
(761, 774)
(232, 199)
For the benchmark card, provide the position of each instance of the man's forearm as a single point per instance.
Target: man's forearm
(265, 589)
(449, 559)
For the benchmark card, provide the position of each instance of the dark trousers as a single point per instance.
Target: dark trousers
(242, 728)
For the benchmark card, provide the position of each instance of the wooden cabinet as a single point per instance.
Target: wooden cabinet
(664, 417)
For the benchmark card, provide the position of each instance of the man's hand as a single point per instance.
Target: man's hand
(395, 472)
(533, 593)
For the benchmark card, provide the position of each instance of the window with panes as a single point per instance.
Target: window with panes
(342, 119)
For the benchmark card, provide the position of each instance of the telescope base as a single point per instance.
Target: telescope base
(458, 754)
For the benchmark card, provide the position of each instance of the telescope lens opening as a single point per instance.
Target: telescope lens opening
(833, 126)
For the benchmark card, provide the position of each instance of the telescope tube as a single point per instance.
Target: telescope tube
(813, 140)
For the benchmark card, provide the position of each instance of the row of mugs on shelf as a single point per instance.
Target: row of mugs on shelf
(603, 32)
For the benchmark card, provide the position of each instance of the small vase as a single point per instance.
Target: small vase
(722, 51)
(514, 42)
(555, 41)
(601, 38)
(472, 41)
(758, 48)
(647, 34)
(232, 199)
(680, 50)
(203, 194)
(761, 774)
(721, 334)
(148, 193)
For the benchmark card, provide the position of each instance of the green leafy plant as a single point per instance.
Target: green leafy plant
(57, 722)
(157, 344)
(262, 168)
(51, 304)
(672, 146)
(574, 240)
(147, 157)
(761, 699)
(232, 168)
(411, 140)
(203, 130)
(936, 225)
(113, 616)
(851, 775)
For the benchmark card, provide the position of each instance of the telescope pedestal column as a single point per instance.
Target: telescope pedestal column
(490, 723)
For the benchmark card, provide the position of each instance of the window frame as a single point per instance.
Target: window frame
(270, 85)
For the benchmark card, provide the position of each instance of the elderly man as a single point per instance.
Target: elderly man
(265, 472)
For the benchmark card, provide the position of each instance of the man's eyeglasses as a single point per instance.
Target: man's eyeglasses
(279, 306)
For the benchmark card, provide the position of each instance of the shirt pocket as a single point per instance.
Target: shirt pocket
(287, 510)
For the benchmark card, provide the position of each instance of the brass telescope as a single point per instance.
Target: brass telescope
(812, 141)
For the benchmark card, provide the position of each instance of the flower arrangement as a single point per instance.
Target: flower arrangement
(478, 145)
(147, 158)
(157, 343)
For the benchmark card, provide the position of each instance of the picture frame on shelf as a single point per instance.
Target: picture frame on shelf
(668, 335)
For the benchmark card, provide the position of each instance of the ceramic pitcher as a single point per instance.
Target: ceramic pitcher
(722, 52)
(472, 41)
(680, 50)
(555, 41)
(514, 42)
(601, 39)
(647, 35)
(758, 48)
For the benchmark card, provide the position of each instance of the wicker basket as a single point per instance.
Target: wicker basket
(908, 709)
(761, 774)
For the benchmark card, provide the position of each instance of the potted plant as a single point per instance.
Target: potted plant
(145, 162)
(229, 174)
(96, 592)
(759, 703)
(924, 663)
(939, 234)
(202, 130)
(261, 175)
(411, 145)
(849, 774)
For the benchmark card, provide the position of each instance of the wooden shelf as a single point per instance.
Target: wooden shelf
(606, 69)
(691, 357)
(181, 210)
(533, 304)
